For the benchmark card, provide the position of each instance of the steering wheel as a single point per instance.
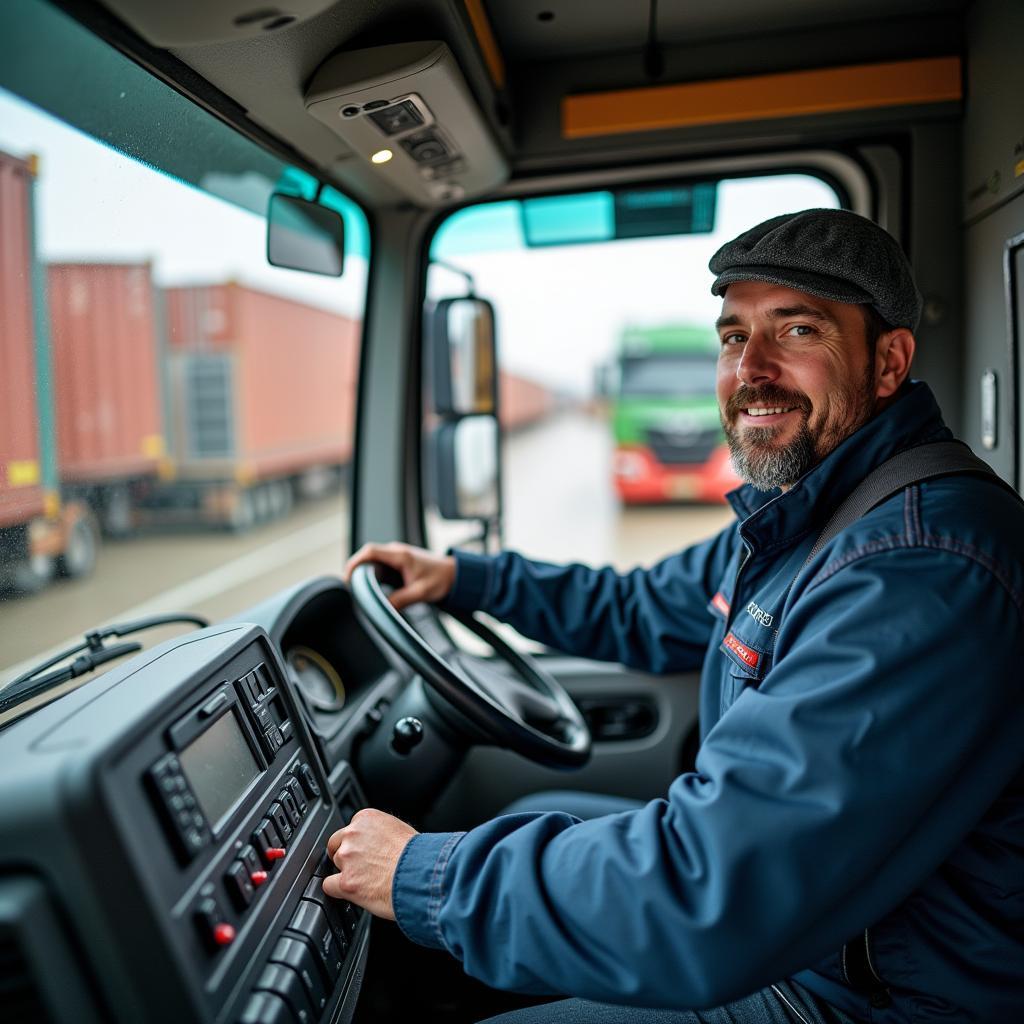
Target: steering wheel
(515, 703)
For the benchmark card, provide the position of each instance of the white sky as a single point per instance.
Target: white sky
(560, 310)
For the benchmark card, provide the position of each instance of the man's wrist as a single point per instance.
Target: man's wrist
(472, 583)
(417, 890)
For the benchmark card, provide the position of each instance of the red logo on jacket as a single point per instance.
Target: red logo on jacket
(742, 651)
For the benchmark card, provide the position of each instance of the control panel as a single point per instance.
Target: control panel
(217, 750)
(179, 815)
(306, 959)
(219, 905)
(238, 795)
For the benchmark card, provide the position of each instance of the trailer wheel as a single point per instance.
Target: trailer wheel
(281, 498)
(263, 500)
(116, 511)
(27, 576)
(243, 512)
(79, 557)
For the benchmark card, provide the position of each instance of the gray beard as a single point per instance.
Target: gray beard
(763, 464)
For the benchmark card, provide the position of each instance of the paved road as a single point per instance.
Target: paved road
(557, 508)
(564, 509)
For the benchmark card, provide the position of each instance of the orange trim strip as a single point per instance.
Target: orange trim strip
(760, 97)
(485, 39)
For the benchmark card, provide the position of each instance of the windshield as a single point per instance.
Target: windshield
(667, 376)
(176, 416)
(612, 447)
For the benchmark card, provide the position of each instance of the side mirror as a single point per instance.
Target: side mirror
(304, 236)
(464, 357)
(465, 449)
(465, 460)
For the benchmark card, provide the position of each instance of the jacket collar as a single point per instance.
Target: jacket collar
(770, 519)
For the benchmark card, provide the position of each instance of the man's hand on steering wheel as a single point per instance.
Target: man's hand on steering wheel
(425, 576)
(509, 699)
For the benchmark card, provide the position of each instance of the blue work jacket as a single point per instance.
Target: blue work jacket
(861, 764)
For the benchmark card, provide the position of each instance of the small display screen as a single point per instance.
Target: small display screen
(219, 765)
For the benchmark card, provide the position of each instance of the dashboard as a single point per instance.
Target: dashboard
(344, 680)
(164, 825)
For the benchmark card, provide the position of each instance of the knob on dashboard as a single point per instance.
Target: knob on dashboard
(406, 735)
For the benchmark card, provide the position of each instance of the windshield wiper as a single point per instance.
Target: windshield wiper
(33, 683)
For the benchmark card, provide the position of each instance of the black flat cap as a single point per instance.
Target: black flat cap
(833, 254)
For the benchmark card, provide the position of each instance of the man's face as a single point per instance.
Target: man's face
(794, 379)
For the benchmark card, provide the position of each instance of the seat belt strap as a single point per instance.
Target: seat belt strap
(925, 462)
(940, 458)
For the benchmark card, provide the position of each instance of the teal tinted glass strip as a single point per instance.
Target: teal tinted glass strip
(568, 220)
(491, 227)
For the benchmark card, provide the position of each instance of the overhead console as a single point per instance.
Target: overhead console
(198, 22)
(173, 816)
(406, 109)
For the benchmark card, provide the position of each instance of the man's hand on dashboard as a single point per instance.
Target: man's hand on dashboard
(366, 854)
(425, 576)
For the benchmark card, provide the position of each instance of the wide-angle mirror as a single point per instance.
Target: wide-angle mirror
(465, 363)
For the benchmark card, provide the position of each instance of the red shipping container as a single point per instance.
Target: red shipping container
(105, 366)
(522, 401)
(21, 491)
(262, 386)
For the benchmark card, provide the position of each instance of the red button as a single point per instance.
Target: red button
(275, 853)
(258, 877)
(224, 934)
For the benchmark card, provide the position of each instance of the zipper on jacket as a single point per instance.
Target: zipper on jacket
(744, 558)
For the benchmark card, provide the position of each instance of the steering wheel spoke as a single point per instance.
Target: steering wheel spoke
(512, 700)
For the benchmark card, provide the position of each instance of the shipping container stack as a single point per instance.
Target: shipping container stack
(40, 534)
(522, 402)
(22, 494)
(119, 403)
(107, 388)
(262, 395)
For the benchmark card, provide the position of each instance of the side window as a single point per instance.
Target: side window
(612, 450)
(176, 415)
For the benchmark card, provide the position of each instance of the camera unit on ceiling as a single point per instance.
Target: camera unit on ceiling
(407, 110)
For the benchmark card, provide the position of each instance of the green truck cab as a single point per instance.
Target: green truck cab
(669, 444)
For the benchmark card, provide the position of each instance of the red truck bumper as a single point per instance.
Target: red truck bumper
(641, 479)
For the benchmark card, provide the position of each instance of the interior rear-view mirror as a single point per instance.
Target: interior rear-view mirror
(464, 358)
(465, 460)
(304, 236)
